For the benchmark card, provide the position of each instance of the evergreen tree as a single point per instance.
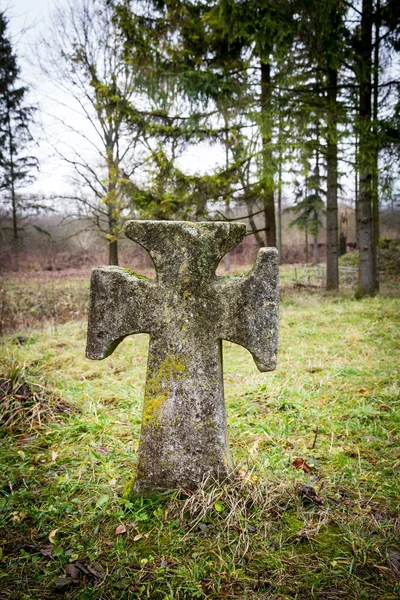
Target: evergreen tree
(308, 209)
(185, 69)
(316, 75)
(264, 30)
(16, 166)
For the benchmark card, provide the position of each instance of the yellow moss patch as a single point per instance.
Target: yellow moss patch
(170, 369)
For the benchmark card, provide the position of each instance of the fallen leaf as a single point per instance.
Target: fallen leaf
(62, 582)
(100, 573)
(72, 571)
(79, 565)
(52, 536)
(394, 557)
(300, 463)
(45, 549)
(54, 455)
(120, 529)
(95, 573)
(137, 537)
(308, 494)
(163, 563)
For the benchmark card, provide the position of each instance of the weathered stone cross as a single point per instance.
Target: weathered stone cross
(188, 311)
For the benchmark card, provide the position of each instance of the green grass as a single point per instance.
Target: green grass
(260, 535)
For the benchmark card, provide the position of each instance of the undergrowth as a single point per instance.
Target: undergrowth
(38, 301)
(328, 530)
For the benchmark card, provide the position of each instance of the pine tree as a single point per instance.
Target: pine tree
(16, 167)
(320, 51)
(264, 30)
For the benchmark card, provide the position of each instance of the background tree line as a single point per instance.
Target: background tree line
(298, 94)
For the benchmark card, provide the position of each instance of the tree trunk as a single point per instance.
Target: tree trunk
(332, 265)
(366, 278)
(113, 243)
(306, 233)
(342, 244)
(266, 135)
(113, 253)
(316, 250)
(113, 173)
(15, 243)
(227, 258)
(112, 222)
(375, 172)
(280, 215)
(356, 185)
(253, 224)
(15, 240)
(280, 198)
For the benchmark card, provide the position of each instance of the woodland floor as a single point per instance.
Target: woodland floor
(311, 512)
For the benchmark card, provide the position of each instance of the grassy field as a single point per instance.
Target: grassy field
(311, 511)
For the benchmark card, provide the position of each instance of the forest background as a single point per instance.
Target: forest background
(295, 102)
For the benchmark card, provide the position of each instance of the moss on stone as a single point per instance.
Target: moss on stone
(134, 274)
(169, 368)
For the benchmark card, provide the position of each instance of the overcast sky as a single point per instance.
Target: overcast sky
(27, 22)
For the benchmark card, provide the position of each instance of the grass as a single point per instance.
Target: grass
(35, 299)
(38, 300)
(273, 531)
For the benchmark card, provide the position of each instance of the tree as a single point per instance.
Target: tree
(386, 25)
(264, 30)
(222, 57)
(327, 48)
(308, 208)
(318, 57)
(185, 69)
(16, 166)
(84, 57)
(368, 249)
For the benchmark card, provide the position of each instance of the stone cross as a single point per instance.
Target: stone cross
(188, 311)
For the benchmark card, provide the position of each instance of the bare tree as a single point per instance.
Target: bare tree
(83, 58)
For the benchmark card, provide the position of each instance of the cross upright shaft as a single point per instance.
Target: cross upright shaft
(187, 311)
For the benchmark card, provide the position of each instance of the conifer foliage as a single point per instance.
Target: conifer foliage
(17, 168)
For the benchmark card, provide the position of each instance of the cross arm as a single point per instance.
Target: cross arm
(121, 304)
(250, 309)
